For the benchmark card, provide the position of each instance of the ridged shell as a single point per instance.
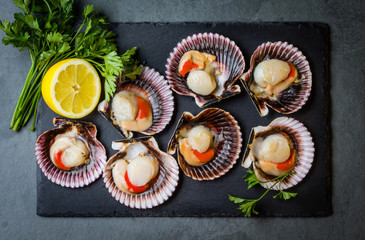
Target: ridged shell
(153, 87)
(162, 189)
(303, 144)
(291, 99)
(230, 62)
(78, 177)
(227, 151)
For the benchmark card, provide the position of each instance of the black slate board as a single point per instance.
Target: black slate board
(210, 198)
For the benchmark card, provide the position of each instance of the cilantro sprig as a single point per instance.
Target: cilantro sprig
(46, 28)
(247, 206)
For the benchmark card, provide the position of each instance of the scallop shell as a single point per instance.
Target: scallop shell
(78, 177)
(230, 62)
(291, 99)
(227, 151)
(153, 87)
(303, 144)
(164, 186)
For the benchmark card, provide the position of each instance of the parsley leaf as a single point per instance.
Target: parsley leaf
(247, 206)
(87, 10)
(32, 23)
(285, 195)
(251, 179)
(22, 4)
(53, 37)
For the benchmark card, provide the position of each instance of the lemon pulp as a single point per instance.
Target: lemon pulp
(71, 88)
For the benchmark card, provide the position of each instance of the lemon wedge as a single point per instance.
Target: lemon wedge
(71, 88)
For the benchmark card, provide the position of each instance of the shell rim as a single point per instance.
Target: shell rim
(167, 110)
(263, 110)
(229, 91)
(304, 161)
(56, 175)
(173, 146)
(126, 198)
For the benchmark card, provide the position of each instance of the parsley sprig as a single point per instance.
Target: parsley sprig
(47, 30)
(247, 206)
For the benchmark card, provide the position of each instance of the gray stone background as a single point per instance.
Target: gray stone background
(18, 219)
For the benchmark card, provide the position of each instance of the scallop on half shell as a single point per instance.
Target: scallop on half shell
(229, 63)
(160, 188)
(153, 87)
(76, 177)
(290, 99)
(227, 141)
(301, 141)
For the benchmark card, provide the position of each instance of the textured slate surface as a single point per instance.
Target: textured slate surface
(18, 195)
(193, 198)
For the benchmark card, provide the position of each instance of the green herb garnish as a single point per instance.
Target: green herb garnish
(247, 206)
(46, 29)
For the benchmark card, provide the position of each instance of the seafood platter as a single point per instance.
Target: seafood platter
(212, 101)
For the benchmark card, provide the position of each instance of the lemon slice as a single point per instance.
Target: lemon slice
(71, 88)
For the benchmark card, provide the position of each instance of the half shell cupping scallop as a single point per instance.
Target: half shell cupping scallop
(230, 63)
(296, 95)
(162, 186)
(79, 176)
(153, 87)
(302, 143)
(228, 143)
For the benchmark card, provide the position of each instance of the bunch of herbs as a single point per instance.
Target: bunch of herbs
(46, 28)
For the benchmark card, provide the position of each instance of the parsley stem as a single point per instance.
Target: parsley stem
(26, 98)
(94, 62)
(16, 125)
(274, 179)
(49, 8)
(22, 94)
(30, 106)
(78, 30)
(21, 117)
(35, 109)
(96, 65)
(37, 80)
(268, 190)
(25, 117)
(32, 93)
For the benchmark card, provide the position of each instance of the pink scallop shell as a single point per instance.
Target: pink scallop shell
(152, 86)
(78, 177)
(162, 189)
(303, 143)
(230, 61)
(227, 151)
(293, 98)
